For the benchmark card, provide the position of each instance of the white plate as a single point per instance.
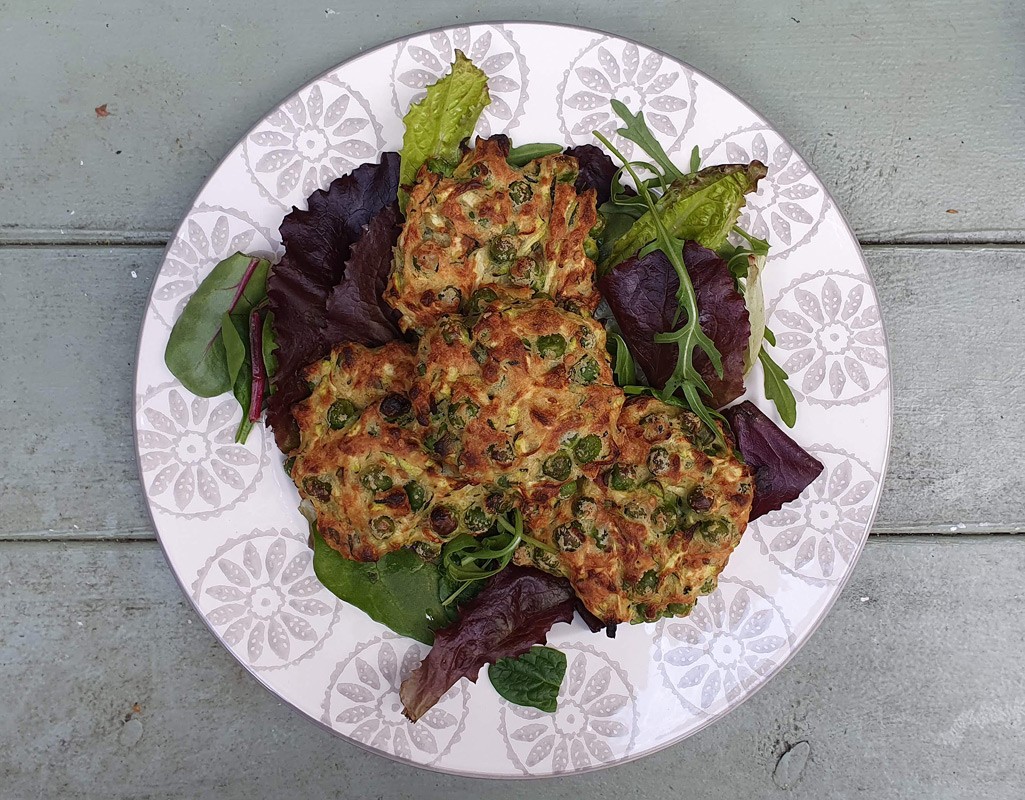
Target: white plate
(226, 514)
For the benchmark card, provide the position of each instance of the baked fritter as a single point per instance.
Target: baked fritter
(656, 527)
(491, 224)
(363, 466)
(521, 394)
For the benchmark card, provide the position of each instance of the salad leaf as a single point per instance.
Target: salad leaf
(637, 131)
(270, 344)
(234, 333)
(532, 680)
(776, 387)
(195, 349)
(514, 611)
(257, 369)
(438, 124)
(596, 170)
(593, 623)
(702, 206)
(317, 242)
(525, 153)
(782, 468)
(401, 590)
(623, 368)
(642, 293)
(755, 301)
(355, 310)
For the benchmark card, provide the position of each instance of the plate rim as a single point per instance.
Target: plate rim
(811, 629)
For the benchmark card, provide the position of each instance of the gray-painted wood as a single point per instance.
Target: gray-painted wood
(68, 323)
(906, 692)
(905, 109)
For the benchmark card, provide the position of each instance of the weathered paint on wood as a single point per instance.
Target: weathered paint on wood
(955, 319)
(114, 689)
(905, 109)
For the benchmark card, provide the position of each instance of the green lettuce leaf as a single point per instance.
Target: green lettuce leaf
(702, 207)
(401, 590)
(532, 680)
(438, 124)
(755, 301)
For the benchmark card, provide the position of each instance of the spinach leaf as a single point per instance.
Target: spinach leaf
(525, 153)
(270, 344)
(442, 120)
(235, 336)
(532, 680)
(401, 590)
(195, 349)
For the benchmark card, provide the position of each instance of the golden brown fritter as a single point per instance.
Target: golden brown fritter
(490, 224)
(523, 393)
(363, 466)
(349, 380)
(656, 527)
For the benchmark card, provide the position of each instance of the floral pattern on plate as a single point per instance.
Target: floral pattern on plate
(731, 642)
(208, 235)
(362, 702)
(818, 536)
(191, 464)
(261, 596)
(643, 79)
(419, 62)
(829, 338)
(595, 723)
(321, 133)
(790, 203)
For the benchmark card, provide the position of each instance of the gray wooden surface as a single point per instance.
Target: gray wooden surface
(110, 687)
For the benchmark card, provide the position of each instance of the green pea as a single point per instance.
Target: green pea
(586, 371)
(658, 461)
(654, 488)
(317, 489)
(340, 414)
(376, 481)
(634, 511)
(587, 449)
(569, 537)
(648, 583)
(586, 337)
(679, 609)
(568, 489)
(481, 298)
(502, 249)
(708, 586)
(584, 508)
(476, 519)
(417, 495)
(715, 530)
(520, 192)
(383, 527)
(623, 478)
(664, 518)
(552, 345)
(479, 353)
(289, 463)
(558, 466)
(600, 536)
(502, 453)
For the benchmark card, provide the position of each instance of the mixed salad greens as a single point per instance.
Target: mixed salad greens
(686, 324)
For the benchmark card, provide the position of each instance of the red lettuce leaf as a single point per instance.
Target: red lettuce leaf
(642, 295)
(355, 310)
(514, 612)
(318, 242)
(782, 468)
(596, 170)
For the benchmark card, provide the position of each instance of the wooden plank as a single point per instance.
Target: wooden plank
(866, 90)
(69, 320)
(113, 631)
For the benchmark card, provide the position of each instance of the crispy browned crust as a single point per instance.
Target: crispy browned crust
(443, 254)
(637, 554)
(496, 401)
